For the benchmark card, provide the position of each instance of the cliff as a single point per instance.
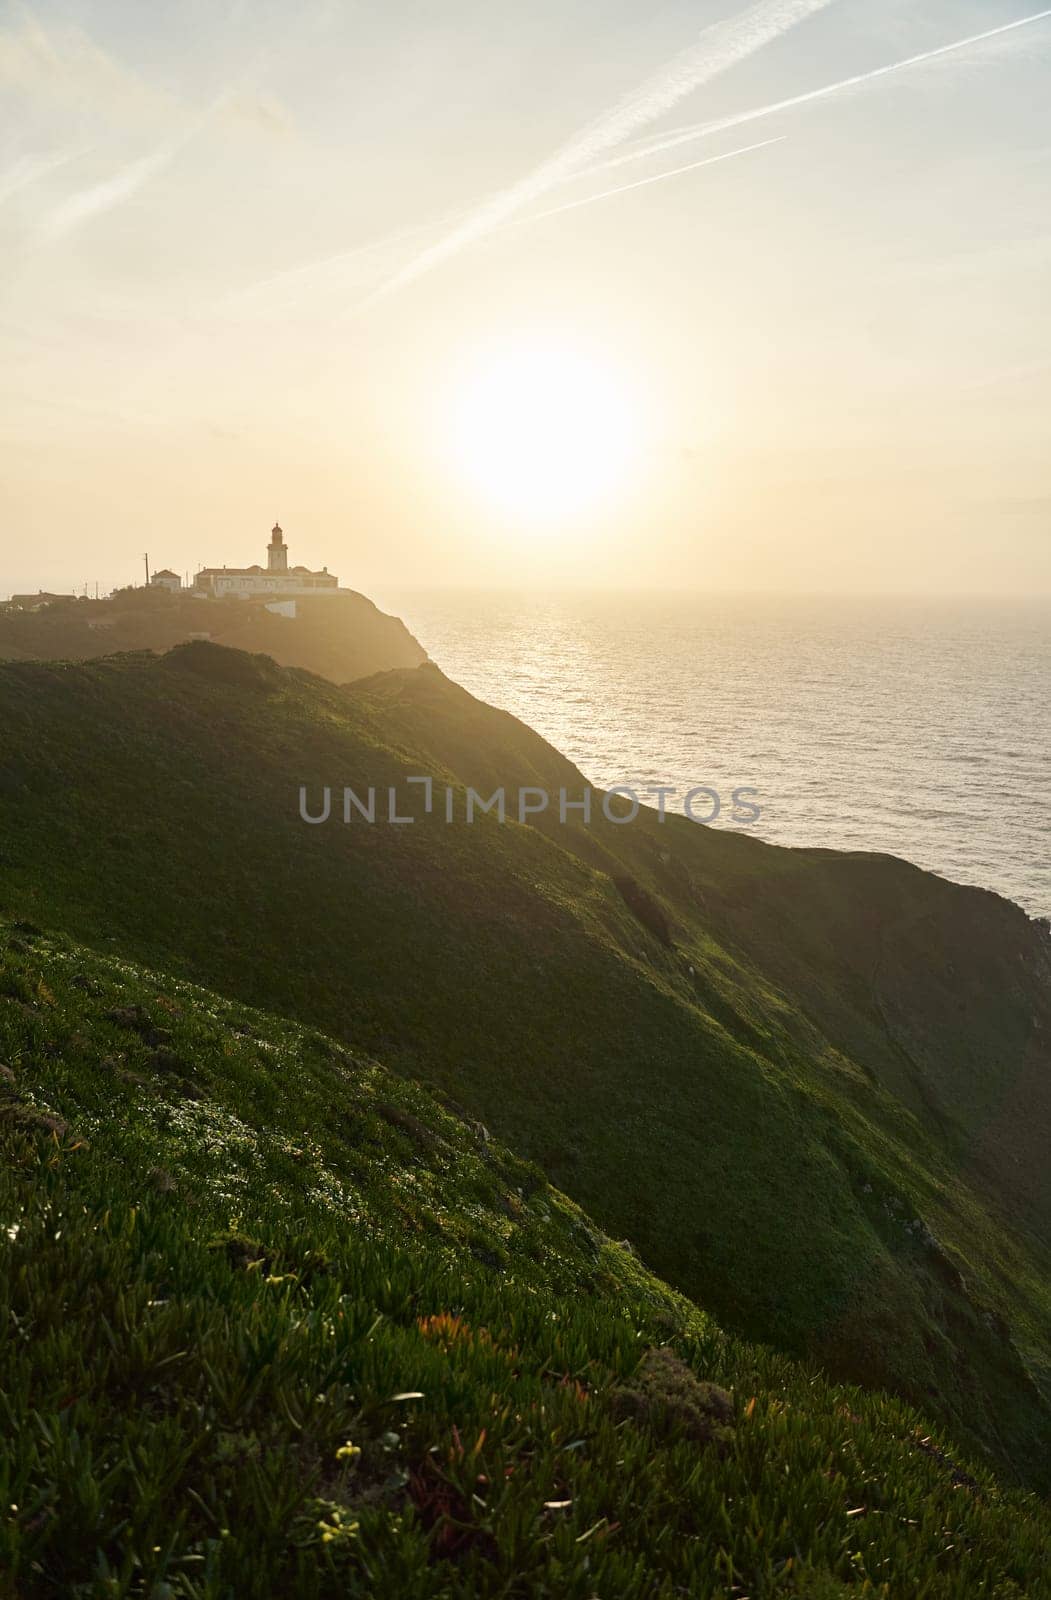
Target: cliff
(341, 637)
(810, 1088)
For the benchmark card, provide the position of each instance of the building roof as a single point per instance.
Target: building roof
(165, 572)
(259, 572)
(231, 572)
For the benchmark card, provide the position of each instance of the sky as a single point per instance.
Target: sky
(396, 274)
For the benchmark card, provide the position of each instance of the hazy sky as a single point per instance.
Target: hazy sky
(266, 259)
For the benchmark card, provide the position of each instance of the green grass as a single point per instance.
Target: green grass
(821, 1109)
(273, 1321)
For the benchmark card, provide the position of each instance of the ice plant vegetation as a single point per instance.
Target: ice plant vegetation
(397, 1362)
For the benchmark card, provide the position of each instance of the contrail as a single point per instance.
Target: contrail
(112, 192)
(289, 277)
(719, 48)
(29, 170)
(126, 182)
(701, 130)
(640, 183)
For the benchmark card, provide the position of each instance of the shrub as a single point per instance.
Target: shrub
(665, 1396)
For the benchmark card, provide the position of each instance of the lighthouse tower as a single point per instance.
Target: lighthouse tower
(277, 553)
(276, 578)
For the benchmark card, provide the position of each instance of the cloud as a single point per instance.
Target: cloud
(719, 48)
(261, 112)
(64, 71)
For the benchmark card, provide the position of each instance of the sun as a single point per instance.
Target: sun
(544, 430)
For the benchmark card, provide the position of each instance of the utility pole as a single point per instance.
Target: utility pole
(146, 558)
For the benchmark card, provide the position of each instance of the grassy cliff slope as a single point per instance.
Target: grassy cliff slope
(793, 1079)
(274, 1321)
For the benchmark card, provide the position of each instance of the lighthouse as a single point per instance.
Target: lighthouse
(277, 552)
(276, 578)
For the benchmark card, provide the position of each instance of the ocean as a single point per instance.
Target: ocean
(915, 726)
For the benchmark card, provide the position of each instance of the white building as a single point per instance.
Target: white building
(275, 579)
(166, 579)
